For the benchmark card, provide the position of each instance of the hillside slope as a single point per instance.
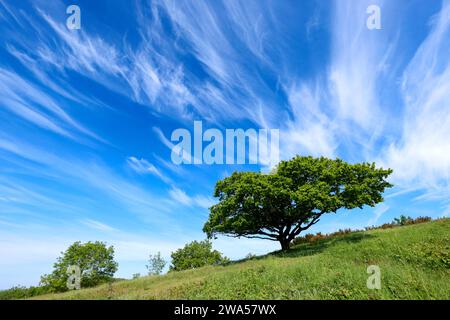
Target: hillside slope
(414, 262)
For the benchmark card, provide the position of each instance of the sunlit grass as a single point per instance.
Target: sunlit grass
(414, 262)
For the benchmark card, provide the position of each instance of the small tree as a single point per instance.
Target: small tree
(156, 264)
(196, 254)
(292, 198)
(94, 260)
(403, 220)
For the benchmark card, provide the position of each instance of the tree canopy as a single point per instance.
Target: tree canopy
(280, 205)
(94, 260)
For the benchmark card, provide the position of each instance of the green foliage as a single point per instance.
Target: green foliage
(156, 264)
(280, 205)
(136, 275)
(95, 260)
(196, 254)
(403, 220)
(21, 292)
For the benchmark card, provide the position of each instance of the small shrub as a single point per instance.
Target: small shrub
(312, 238)
(250, 256)
(422, 219)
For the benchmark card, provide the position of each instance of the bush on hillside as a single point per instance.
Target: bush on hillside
(401, 221)
(21, 292)
(196, 254)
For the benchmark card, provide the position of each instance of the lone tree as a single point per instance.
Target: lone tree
(155, 264)
(280, 205)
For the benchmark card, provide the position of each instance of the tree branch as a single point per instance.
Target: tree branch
(299, 227)
(251, 236)
(257, 237)
(274, 235)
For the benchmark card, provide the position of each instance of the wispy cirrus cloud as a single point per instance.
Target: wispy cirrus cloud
(93, 175)
(310, 128)
(89, 55)
(183, 198)
(378, 212)
(421, 156)
(97, 225)
(30, 102)
(142, 166)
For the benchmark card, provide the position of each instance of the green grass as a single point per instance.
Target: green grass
(414, 262)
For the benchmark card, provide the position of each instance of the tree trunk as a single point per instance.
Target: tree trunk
(284, 244)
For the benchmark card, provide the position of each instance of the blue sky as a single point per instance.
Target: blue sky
(86, 114)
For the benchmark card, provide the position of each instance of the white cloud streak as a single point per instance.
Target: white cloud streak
(421, 157)
(97, 225)
(142, 166)
(183, 198)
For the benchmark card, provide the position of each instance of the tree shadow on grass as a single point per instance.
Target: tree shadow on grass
(309, 249)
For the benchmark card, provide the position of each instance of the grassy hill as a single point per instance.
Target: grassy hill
(414, 262)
